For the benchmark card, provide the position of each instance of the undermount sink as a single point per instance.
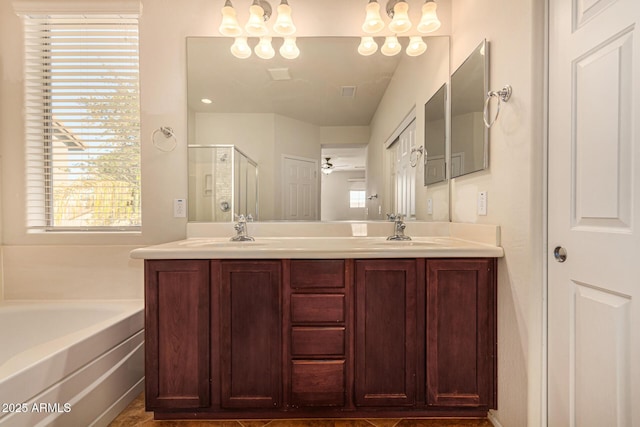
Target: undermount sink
(211, 243)
(403, 243)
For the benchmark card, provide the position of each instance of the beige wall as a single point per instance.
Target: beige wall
(514, 30)
(335, 195)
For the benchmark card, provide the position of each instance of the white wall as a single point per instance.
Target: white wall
(335, 196)
(514, 30)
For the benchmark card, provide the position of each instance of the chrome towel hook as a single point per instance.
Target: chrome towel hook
(170, 141)
(502, 96)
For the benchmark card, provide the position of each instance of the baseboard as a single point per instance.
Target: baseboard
(492, 418)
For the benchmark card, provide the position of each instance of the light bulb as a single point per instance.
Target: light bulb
(373, 21)
(284, 23)
(429, 21)
(400, 22)
(289, 49)
(256, 26)
(326, 171)
(264, 49)
(368, 46)
(240, 48)
(391, 46)
(229, 26)
(416, 46)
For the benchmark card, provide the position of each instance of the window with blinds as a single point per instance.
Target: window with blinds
(82, 123)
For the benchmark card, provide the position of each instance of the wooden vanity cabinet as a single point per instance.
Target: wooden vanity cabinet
(337, 337)
(317, 315)
(460, 333)
(177, 334)
(385, 315)
(250, 331)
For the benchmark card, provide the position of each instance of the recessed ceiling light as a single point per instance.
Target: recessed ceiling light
(206, 101)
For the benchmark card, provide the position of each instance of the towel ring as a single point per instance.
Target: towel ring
(418, 152)
(501, 95)
(170, 140)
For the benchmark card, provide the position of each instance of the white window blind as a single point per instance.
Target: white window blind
(82, 123)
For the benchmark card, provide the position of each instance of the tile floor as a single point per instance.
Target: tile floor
(135, 416)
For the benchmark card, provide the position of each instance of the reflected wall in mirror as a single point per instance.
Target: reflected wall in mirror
(435, 137)
(469, 136)
(278, 109)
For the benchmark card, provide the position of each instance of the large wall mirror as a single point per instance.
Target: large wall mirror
(286, 115)
(469, 136)
(435, 137)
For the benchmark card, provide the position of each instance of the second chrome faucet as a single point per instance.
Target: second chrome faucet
(398, 227)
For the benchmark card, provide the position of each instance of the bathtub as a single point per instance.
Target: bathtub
(69, 363)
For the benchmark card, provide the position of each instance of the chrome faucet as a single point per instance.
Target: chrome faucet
(241, 230)
(398, 227)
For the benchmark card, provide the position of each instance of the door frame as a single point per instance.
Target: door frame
(544, 381)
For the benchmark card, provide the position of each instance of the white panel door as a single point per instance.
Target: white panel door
(405, 175)
(300, 189)
(594, 213)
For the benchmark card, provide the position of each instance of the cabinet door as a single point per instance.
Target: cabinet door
(250, 333)
(385, 351)
(177, 334)
(460, 333)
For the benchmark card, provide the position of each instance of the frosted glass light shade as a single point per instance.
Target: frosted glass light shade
(391, 46)
(429, 21)
(284, 24)
(400, 22)
(289, 49)
(416, 46)
(264, 49)
(368, 46)
(256, 26)
(229, 26)
(240, 48)
(373, 21)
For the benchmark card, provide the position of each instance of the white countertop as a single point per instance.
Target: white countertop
(332, 240)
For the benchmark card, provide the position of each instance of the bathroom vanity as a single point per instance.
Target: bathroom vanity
(351, 326)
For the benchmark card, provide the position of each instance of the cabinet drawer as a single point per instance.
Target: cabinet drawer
(318, 383)
(307, 308)
(317, 274)
(307, 342)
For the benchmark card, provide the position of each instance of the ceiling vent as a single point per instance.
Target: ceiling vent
(348, 91)
(279, 74)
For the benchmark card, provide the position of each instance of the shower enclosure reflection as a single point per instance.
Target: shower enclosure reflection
(223, 183)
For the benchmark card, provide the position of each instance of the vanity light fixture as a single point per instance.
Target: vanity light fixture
(398, 11)
(256, 26)
(416, 46)
(373, 21)
(429, 21)
(289, 49)
(258, 16)
(368, 46)
(264, 49)
(240, 48)
(391, 46)
(229, 26)
(284, 24)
